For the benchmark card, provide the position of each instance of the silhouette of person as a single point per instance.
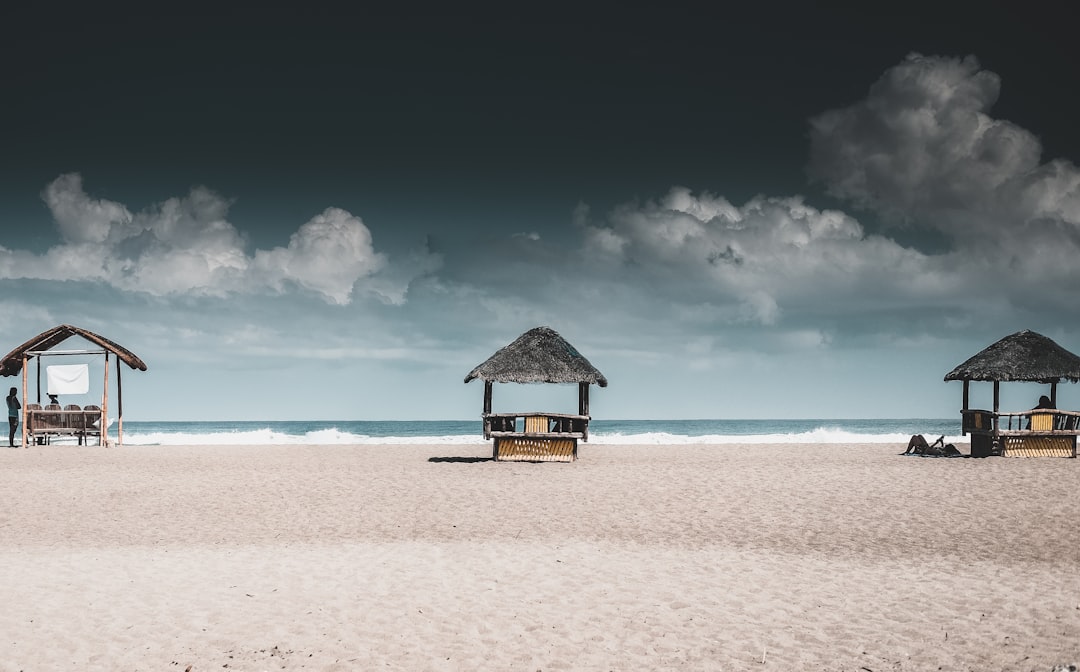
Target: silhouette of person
(1044, 403)
(13, 407)
(917, 445)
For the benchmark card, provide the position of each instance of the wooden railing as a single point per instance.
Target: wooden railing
(536, 425)
(1039, 432)
(1035, 421)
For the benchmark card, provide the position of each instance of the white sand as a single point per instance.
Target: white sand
(764, 557)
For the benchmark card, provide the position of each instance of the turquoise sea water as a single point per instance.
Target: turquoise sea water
(600, 431)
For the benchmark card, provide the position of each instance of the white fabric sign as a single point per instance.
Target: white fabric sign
(68, 379)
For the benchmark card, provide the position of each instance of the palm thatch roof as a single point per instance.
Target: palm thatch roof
(1024, 356)
(11, 364)
(539, 355)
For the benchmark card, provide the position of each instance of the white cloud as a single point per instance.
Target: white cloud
(754, 259)
(922, 145)
(183, 245)
(328, 254)
(186, 245)
(921, 139)
(80, 218)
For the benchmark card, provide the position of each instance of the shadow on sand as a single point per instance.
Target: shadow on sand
(467, 460)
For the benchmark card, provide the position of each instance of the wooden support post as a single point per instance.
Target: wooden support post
(997, 406)
(487, 397)
(119, 407)
(103, 438)
(24, 386)
(964, 407)
(583, 398)
(1053, 394)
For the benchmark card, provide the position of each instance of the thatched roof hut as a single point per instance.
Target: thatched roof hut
(1024, 356)
(539, 355)
(40, 345)
(1021, 357)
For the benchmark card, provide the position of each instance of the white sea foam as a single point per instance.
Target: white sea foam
(261, 437)
(334, 436)
(821, 435)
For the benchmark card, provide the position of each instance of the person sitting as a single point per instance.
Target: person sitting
(1044, 403)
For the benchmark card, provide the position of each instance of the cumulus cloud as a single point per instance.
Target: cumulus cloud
(82, 219)
(186, 245)
(754, 258)
(183, 245)
(327, 255)
(922, 145)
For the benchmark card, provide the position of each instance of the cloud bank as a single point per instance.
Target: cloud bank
(921, 147)
(187, 245)
(749, 260)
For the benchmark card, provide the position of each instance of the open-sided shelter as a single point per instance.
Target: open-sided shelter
(38, 422)
(1021, 357)
(539, 355)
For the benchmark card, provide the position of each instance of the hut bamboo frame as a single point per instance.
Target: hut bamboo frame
(18, 360)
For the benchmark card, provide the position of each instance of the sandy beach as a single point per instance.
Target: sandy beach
(431, 557)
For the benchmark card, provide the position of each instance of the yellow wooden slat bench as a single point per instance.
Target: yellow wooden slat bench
(1038, 445)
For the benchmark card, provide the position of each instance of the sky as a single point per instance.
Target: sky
(775, 211)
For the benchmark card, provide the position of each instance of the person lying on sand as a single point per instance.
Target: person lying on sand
(917, 445)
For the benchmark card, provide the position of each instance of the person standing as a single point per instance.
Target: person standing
(13, 407)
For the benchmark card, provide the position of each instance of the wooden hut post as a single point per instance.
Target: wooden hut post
(1053, 394)
(119, 407)
(583, 398)
(487, 397)
(997, 406)
(24, 386)
(967, 386)
(103, 438)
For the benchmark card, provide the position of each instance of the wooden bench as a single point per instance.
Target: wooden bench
(1045, 435)
(45, 424)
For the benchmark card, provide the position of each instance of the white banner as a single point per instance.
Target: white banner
(68, 379)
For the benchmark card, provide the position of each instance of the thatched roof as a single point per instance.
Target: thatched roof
(1024, 356)
(539, 355)
(46, 340)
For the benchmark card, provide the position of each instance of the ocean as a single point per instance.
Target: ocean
(600, 431)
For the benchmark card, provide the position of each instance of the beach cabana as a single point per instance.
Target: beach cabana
(1022, 357)
(38, 423)
(539, 355)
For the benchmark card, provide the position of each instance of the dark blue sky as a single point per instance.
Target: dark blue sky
(406, 178)
(448, 114)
